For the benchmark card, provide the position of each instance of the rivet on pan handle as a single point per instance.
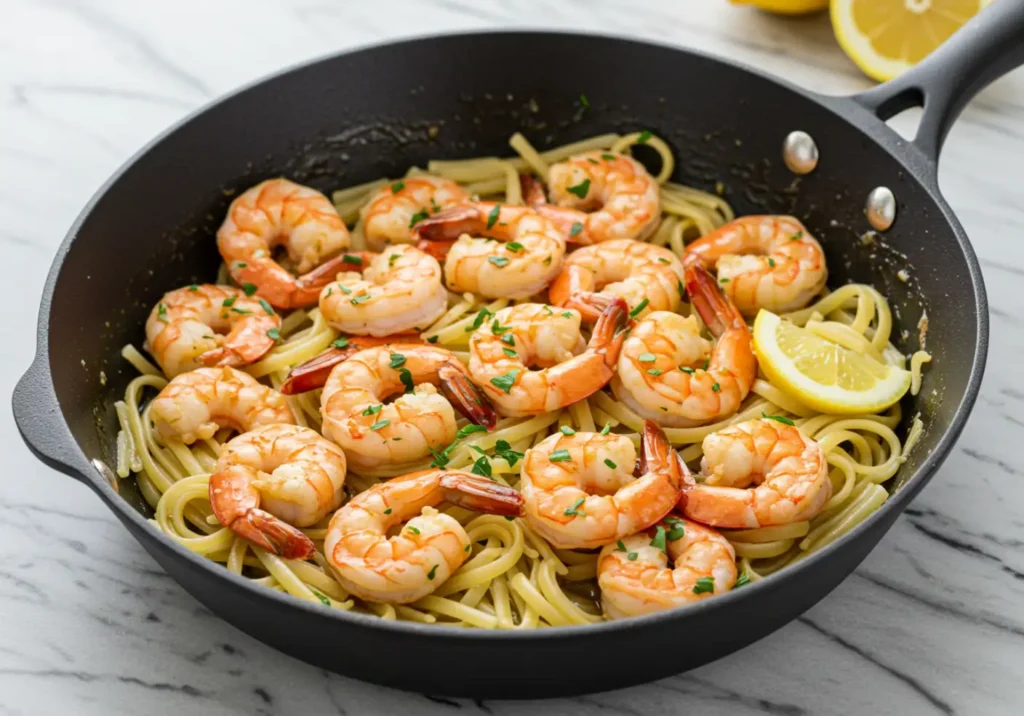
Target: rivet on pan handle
(984, 49)
(37, 415)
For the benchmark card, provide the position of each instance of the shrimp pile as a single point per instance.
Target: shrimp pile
(499, 393)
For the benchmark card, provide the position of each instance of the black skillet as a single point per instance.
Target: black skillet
(370, 113)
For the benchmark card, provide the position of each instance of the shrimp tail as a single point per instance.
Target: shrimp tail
(533, 191)
(686, 481)
(466, 397)
(274, 535)
(480, 494)
(313, 373)
(323, 274)
(609, 331)
(437, 249)
(657, 453)
(716, 311)
(447, 225)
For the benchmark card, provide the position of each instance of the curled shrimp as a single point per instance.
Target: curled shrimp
(599, 196)
(313, 373)
(769, 262)
(391, 213)
(647, 277)
(759, 473)
(531, 358)
(186, 328)
(419, 420)
(426, 550)
(398, 290)
(494, 250)
(195, 405)
(668, 372)
(273, 479)
(279, 212)
(579, 490)
(635, 577)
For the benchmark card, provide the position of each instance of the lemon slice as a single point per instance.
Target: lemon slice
(822, 374)
(785, 7)
(886, 37)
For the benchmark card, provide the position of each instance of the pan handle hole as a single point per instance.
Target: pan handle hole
(906, 122)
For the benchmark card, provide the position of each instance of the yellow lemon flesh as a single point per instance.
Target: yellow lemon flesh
(786, 7)
(822, 374)
(886, 37)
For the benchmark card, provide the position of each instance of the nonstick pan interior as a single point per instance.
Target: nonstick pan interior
(374, 113)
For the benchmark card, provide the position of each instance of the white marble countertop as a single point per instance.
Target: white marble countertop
(932, 622)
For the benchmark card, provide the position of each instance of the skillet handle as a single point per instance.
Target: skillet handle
(984, 49)
(37, 415)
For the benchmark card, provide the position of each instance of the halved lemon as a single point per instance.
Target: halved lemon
(886, 37)
(822, 374)
(785, 7)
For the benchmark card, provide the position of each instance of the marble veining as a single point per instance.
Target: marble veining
(932, 622)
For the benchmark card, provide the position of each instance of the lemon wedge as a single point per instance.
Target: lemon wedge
(822, 374)
(785, 7)
(886, 37)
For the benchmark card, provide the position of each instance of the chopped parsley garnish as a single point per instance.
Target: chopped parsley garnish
(267, 308)
(716, 387)
(566, 430)
(442, 457)
(509, 339)
(360, 299)
(195, 287)
(405, 375)
(432, 339)
(340, 342)
(560, 456)
(467, 430)
(412, 529)
(584, 101)
(620, 546)
(644, 137)
(350, 259)
(514, 246)
(683, 368)
(742, 581)
(497, 329)
(771, 262)
(321, 597)
(778, 418)
(345, 290)
(274, 333)
(380, 424)
(606, 429)
(707, 362)
(392, 258)
(503, 450)
(639, 307)
(397, 187)
(432, 572)
(397, 360)
(704, 585)
(240, 311)
(241, 264)
(249, 288)
(492, 216)
(482, 315)
(418, 217)
(468, 547)
(632, 556)
(510, 353)
(662, 259)
(481, 467)
(592, 160)
(653, 371)
(575, 510)
(647, 358)
(505, 382)
(659, 539)
(609, 157)
(161, 312)
(547, 261)
(498, 261)
(723, 279)
(575, 230)
(373, 409)
(679, 287)
(387, 511)
(580, 189)
(229, 301)
(797, 236)
(612, 465)
(566, 314)
(676, 528)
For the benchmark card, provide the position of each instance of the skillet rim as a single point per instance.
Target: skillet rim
(918, 165)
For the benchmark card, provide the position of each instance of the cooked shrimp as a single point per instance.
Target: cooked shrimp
(185, 329)
(195, 405)
(417, 421)
(579, 490)
(313, 373)
(493, 250)
(427, 549)
(389, 216)
(648, 277)
(276, 478)
(502, 353)
(398, 290)
(787, 469)
(635, 577)
(278, 212)
(668, 373)
(769, 262)
(622, 198)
